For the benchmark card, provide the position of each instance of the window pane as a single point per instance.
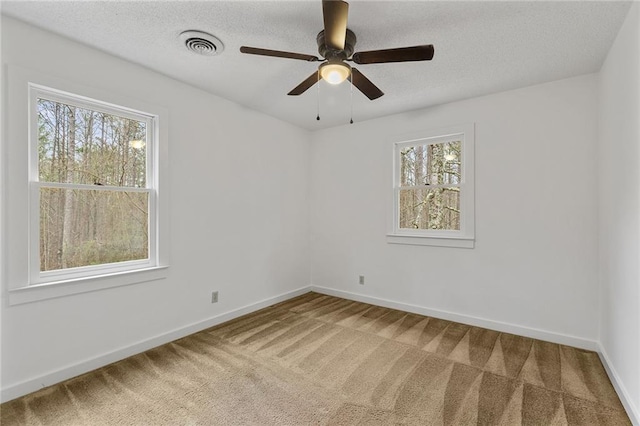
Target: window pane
(77, 145)
(431, 164)
(89, 227)
(436, 208)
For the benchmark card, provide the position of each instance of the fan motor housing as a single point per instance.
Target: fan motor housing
(327, 53)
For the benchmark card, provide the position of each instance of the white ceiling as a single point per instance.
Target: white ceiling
(480, 47)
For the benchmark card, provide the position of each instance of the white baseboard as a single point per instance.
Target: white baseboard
(632, 410)
(23, 388)
(534, 333)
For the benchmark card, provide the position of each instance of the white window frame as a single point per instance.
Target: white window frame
(20, 184)
(463, 238)
(36, 276)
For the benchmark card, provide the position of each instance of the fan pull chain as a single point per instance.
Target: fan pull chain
(351, 81)
(318, 97)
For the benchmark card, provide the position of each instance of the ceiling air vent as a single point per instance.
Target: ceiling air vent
(202, 43)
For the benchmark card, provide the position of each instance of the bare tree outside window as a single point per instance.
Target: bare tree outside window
(429, 193)
(92, 170)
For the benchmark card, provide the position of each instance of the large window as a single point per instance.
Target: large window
(92, 183)
(433, 188)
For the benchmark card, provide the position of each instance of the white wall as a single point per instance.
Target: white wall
(619, 207)
(534, 265)
(238, 211)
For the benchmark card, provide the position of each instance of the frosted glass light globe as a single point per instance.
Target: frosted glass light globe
(334, 73)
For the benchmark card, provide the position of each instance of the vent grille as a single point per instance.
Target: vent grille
(201, 43)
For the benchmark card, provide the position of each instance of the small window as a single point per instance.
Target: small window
(92, 206)
(433, 188)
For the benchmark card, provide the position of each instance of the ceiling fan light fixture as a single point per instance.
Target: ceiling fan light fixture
(336, 44)
(335, 72)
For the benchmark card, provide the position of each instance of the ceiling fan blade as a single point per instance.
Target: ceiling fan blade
(365, 85)
(335, 13)
(302, 87)
(278, 54)
(402, 54)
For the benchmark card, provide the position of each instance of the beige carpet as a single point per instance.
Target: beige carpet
(323, 360)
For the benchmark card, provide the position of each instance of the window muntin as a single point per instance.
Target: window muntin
(92, 182)
(433, 188)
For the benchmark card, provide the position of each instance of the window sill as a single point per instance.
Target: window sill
(419, 240)
(35, 293)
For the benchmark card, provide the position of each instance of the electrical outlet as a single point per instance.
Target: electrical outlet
(214, 297)
(361, 281)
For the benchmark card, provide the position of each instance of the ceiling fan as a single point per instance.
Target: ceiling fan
(336, 44)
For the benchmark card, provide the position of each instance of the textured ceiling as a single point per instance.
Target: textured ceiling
(480, 47)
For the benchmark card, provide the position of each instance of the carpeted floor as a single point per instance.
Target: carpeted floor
(318, 359)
